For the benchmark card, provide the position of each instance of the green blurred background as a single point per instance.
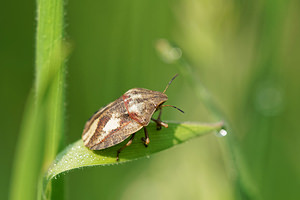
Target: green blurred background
(245, 52)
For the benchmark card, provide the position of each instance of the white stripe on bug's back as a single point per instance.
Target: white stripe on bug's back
(113, 123)
(133, 97)
(135, 108)
(87, 136)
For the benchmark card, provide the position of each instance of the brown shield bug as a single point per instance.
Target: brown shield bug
(122, 118)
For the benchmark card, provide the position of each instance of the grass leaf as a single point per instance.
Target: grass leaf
(41, 136)
(77, 155)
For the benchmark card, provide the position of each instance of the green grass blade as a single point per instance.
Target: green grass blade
(42, 129)
(77, 155)
(50, 67)
(29, 155)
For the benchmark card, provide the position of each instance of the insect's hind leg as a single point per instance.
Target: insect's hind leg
(126, 145)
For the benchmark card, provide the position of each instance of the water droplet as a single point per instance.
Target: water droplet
(221, 133)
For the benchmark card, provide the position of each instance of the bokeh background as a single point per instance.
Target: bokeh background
(246, 53)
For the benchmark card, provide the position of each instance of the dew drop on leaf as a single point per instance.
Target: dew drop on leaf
(221, 133)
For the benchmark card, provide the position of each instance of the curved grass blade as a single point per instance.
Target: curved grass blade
(77, 155)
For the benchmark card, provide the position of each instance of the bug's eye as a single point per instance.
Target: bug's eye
(126, 115)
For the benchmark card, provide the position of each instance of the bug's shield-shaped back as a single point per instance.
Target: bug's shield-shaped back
(109, 126)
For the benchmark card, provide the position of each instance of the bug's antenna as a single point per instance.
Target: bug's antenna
(173, 107)
(170, 82)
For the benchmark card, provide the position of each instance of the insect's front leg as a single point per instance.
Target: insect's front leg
(158, 122)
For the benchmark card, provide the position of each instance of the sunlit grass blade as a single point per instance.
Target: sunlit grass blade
(42, 130)
(77, 155)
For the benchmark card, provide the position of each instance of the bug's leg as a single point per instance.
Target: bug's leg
(158, 122)
(158, 125)
(126, 145)
(146, 139)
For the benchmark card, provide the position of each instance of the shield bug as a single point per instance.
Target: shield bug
(122, 118)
